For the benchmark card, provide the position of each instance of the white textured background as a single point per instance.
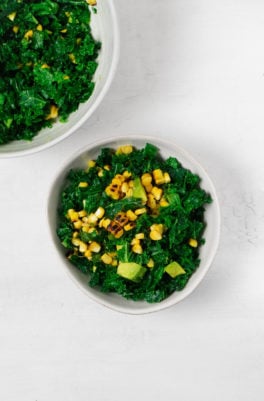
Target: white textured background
(193, 71)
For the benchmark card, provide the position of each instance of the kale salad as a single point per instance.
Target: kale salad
(48, 58)
(133, 222)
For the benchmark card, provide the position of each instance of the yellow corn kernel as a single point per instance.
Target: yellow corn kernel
(76, 242)
(82, 247)
(146, 179)
(155, 235)
(193, 242)
(53, 112)
(157, 193)
(125, 150)
(12, 16)
(118, 247)
(166, 178)
(140, 236)
(99, 212)
(158, 176)
(100, 172)
(72, 58)
(114, 263)
(152, 204)
(91, 163)
(157, 227)
(150, 263)
(104, 223)
(131, 184)
(164, 202)
(131, 215)
(78, 40)
(85, 228)
(124, 187)
(83, 184)
(148, 188)
(64, 30)
(95, 247)
(73, 216)
(92, 219)
(135, 241)
(88, 254)
(129, 193)
(107, 167)
(129, 226)
(92, 2)
(107, 259)
(28, 34)
(127, 174)
(39, 27)
(66, 77)
(82, 213)
(137, 248)
(77, 224)
(45, 65)
(118, 179)
(75, 234)
(15, 28)
(140, 211)
(94, 269)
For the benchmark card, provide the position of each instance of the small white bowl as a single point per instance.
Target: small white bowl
(105, 28)
(211, 234)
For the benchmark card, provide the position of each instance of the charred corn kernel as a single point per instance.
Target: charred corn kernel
(140, 211)
(157, 193)
(107, 167)
(150, 263)
(157, 227)
(76, 242)
(73, 216)
(146, 179)
(152, 204)
(72, 58)
(53, 112)
(155, 235)
(91, 163)
(127, 174)
(88, 254)
(164, 202)
(148, 188)
(129, 226)
(137, 248)
(107, 259)
(82, 247)
(45, 65)
(100, 172)
(75, 234)
(124, 187)
(158, 176)
(64, 30)
(39, 27)
(15, 28)
(95, 247)
(140, 236)
(131, 215)
(99, 212)
(125, 150)
(112, 192)
(121, 218)
(193, 242)
(77, 224)
(166, 178)
(83, 184)
(12, 16)
(91, 2)
(82, 213)
(119, 233)
(92, 219)
(28, 34)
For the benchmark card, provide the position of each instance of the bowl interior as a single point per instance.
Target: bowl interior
(104, 28)
(207, 251)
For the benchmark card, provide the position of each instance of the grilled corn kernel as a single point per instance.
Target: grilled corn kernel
(73, 216)
(92, 219)
(77, 224)
(193, 242)
(15, 28)
(164, 202)
(157, 193)
(53, 112)
(12, 16)
(125, 149)
(129, 226)
(107, 259)
(167, 178)
(82, 247)
(99, 212)
(39, 27)
(131, 215)
(91, 163)
(137, 248)
(140, 236)
(83, 184)
(157, 227)
(95, 247)
(82, 213)
(155, 235)
(150, 263)
(119, 233)
(158, 176)
(146, 179)
(28, 34)
(140, 211)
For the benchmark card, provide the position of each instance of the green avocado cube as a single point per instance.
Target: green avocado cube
(131, 271)
(138, 190)
(174, 269)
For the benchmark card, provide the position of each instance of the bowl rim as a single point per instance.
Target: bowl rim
(191, 286)
(97, 102)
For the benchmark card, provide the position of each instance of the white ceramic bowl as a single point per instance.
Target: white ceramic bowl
(105, 28)
(212, 217)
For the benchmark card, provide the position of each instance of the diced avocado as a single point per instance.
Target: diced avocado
(130, 270)
(174, 269)
(138, 190)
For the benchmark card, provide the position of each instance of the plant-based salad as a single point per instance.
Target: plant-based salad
(133, 222)
(48, 58)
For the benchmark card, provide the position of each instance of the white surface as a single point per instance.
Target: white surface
(192, 70)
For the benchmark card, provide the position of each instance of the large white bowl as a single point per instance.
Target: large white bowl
(105, 28)
(211, 234)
